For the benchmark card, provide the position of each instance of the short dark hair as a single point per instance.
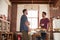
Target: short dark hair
(24, 10)
(44, 13)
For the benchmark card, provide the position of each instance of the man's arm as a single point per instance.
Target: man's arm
(48, 26)
(25, 20)
(27, 23)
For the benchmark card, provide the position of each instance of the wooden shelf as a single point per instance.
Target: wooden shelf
(4, 25)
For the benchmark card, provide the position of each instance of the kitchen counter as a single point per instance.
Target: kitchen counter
(56, 31)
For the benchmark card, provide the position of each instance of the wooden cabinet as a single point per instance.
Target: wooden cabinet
(6, 36)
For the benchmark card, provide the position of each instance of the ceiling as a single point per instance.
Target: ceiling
(33, 1)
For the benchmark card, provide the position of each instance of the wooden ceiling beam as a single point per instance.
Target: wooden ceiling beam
(33, 1)
(30, 1)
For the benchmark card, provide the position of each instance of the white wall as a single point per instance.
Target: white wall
(19, 14)
(44, 7)
(4, 7)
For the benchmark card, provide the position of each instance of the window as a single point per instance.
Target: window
(33, 18)
(45, 8)
(33, 15)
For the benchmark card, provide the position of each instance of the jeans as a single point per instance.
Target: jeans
(43, 36)
(38, 38)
